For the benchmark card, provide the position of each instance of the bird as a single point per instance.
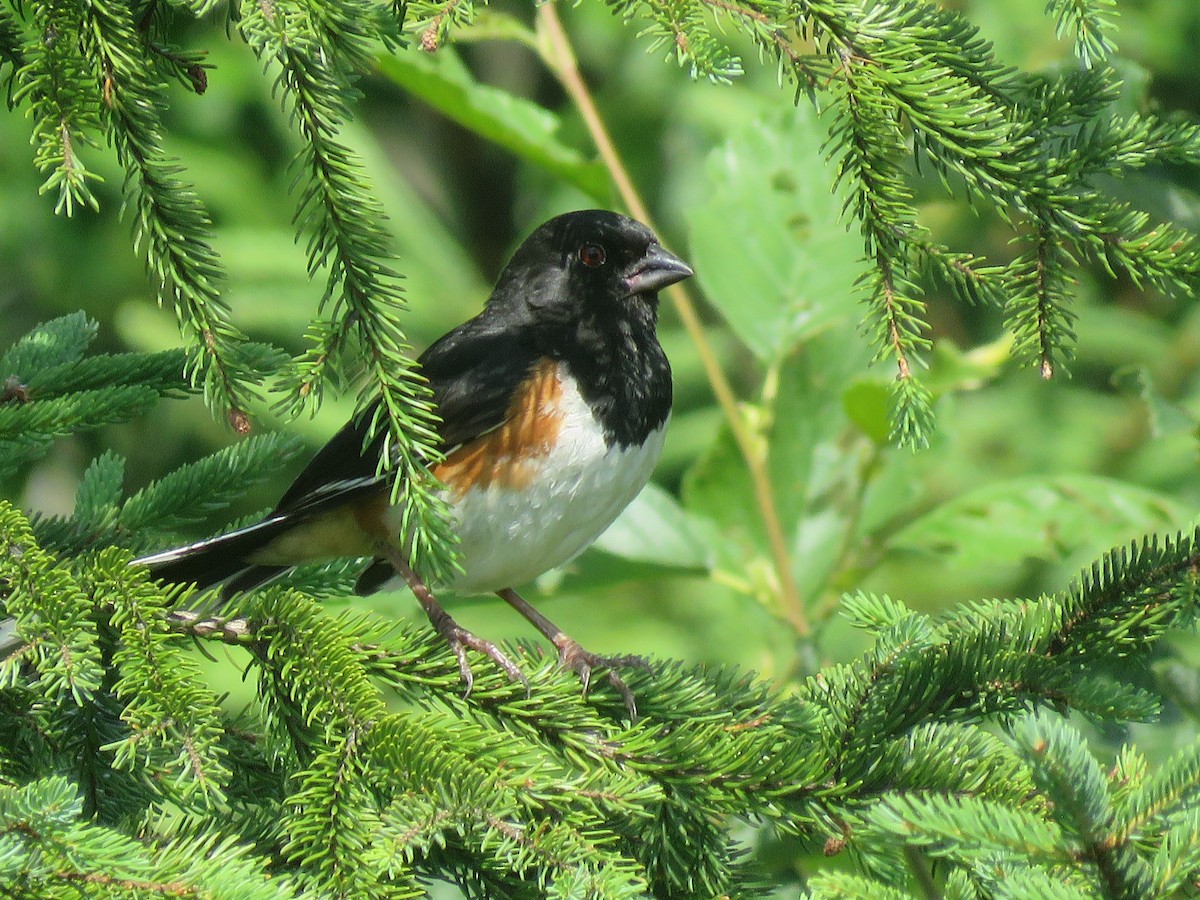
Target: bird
(553, 404)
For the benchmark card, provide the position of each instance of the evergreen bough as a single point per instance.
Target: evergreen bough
(908, 87)
(942, 756)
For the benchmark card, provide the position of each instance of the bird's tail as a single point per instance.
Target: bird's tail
(221, 560)
(229, 560)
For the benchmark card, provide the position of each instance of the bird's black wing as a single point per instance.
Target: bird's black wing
(474, 376)
(340, 470)
(473, 381)
(472, 371)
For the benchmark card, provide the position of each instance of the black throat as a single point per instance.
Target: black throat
(622, 372)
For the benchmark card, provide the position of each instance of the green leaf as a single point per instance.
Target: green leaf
(654, 537)
(718, 488)
(518, 125)
(655, 528)
(1165, 417)
(764, 236)
(867, 405)
(801, 426)
(1039, 517)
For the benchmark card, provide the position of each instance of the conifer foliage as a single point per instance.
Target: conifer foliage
(909, 87)
(944, 754)
(953, 758)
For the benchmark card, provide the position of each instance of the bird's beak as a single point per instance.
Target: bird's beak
(655, 271)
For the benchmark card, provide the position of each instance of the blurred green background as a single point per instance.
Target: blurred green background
(1025, 482)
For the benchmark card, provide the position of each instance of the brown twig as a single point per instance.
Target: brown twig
(561, 58)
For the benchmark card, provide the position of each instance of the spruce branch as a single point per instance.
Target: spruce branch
(1178, 856)
(229, 630)
(1162, 797)
(1125, 240)
(50, 388)
(57, 82)
(915, 86)
(512, 790)
(321, 725)
(170, 221)
(1130, 598)
(432, 20)
(482, 810)
(949, 758)
(56, 851)
(185, 497)
(847, 886)
(53, 613)
(1038, 315)
(174, 729)
(518, 795)
(27, 430)
(776, 36)
(682, 29)
(1010, 654)
(1063, 769)
(968, 277)
(12, 54)
(879, 199)
(195, 490)
(1090, 22)
(955, 826)
(319, 54)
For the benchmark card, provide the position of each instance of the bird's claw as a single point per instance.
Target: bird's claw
(460, 640)
(572, 656)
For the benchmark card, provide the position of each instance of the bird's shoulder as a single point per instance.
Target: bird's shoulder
(474, 372)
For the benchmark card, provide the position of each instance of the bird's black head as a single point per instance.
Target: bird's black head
(582, 290)
(590, 263)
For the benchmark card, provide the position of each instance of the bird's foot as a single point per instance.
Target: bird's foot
(572, 656)
(460, 640)
(454, 634)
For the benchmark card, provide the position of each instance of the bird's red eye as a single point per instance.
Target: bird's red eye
(591, 255)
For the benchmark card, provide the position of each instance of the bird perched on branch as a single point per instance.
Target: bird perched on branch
(554, 401)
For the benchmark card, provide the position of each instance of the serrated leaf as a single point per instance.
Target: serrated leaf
(867, 405)
(1166, 418)
(766, 241)
(1039, 517)
(655, 536)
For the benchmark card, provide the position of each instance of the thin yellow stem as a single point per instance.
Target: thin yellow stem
(561, 58)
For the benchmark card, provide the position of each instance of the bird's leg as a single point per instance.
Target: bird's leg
(572, 656)
(455, 635)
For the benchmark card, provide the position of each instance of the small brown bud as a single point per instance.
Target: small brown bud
(239, 421)
(198, 77)
(14, 389)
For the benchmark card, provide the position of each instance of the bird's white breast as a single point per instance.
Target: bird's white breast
(510, 535)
